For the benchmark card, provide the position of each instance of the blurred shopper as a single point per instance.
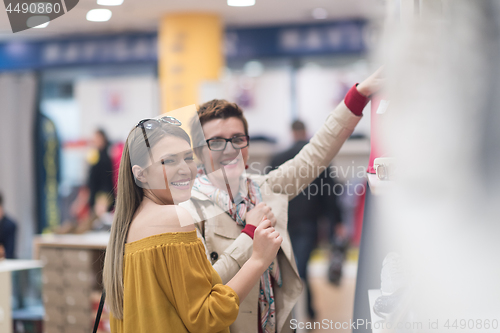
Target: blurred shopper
(96, 198)
(7, 234)
(228, 237)
(156, 274)
(305, 210)
(100, 179)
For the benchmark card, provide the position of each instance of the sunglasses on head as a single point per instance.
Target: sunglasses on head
(152, 123)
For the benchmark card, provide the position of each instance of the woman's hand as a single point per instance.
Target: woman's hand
(372, 84)
(266, 243)
(257, 214)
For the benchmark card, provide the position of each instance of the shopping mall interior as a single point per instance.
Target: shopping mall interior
(397, 233)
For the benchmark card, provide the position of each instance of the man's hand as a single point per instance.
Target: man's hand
(372, 84)
(255, 215)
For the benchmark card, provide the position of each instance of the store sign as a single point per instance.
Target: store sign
(106, 50)
(329, 38)
(78, 51)
(293, 40)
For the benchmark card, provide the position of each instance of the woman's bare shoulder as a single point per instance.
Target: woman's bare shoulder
(160, 219)
(171, 218)
(174, 216)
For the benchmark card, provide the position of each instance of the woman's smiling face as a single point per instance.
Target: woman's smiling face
(173, 171)
(232, 160)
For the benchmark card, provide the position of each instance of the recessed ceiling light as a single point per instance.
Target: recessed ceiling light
(109, 2)
(319, 13)
(99, 15)
(43, 25)
(240, 3)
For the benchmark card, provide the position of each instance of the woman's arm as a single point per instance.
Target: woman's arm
(187, 281)
(267, 242)
(232, 259)
(297, 173)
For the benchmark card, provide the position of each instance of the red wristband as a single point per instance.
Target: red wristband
(355, 101)
(249, 229)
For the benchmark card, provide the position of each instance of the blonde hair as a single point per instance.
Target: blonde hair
(129, 197)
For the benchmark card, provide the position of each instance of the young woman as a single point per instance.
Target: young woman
(156, 274)
(228, 231)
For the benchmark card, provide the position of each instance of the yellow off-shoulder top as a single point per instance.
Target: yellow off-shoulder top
(170, 286)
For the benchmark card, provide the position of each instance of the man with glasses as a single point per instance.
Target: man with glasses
(229, 204)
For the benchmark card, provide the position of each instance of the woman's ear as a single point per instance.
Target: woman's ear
(139, 173)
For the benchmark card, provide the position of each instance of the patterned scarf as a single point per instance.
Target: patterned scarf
(247, 197)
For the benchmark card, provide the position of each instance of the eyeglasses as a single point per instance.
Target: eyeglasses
(219, 144)
(152, 123)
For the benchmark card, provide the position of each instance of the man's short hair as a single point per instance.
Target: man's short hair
(298, 125)
(214, 109)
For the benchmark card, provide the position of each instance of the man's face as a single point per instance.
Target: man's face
(1, 212)
(232, 160)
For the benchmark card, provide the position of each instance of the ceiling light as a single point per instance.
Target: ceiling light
(109, 2)
(240, 3)
(319, 13)
(99, 15)
(43, 25)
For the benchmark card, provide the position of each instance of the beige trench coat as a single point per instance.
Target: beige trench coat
(228, 249)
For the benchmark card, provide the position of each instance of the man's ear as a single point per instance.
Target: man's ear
(139, 173)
